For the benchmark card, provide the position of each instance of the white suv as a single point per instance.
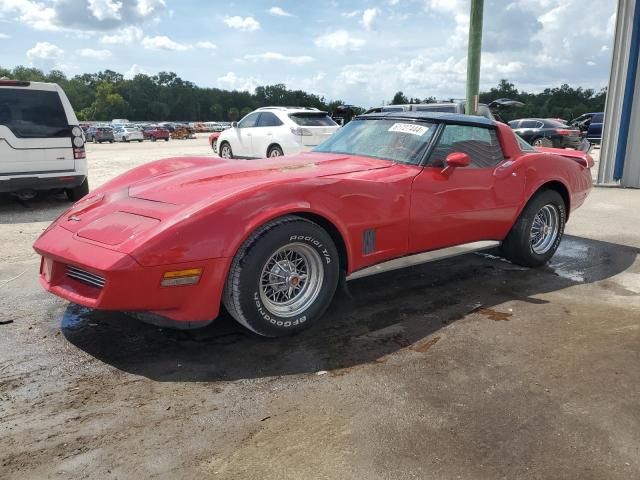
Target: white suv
(275, 131)
(41, 144)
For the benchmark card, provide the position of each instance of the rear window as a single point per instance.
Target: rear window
(308, 119)
(554, 123)
(597, 118)
(442, 108)
(33, 113)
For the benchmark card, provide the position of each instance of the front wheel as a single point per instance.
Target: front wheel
(225, 150)
(536, 235)
(125, 139)
(166, 139)
(283, 277)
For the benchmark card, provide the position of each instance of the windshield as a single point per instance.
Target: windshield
(402, 141)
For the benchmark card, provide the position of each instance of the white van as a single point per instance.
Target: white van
(41, 144)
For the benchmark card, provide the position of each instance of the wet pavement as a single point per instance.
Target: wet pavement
(469, 367)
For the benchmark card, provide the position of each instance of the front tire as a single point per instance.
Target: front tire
(76, 193)
(283, 277)
(225, 150)
(537, 233)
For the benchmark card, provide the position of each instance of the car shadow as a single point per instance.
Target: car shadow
(44, 207)
(377, 316)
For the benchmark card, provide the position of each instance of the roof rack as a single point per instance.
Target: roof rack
(288, 108)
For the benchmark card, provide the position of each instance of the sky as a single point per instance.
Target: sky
(360, 51)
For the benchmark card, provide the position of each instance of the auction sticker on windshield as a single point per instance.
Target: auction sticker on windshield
(411, 128)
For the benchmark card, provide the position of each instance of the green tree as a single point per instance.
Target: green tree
(399, 99)
(109, 104)
(233, 114)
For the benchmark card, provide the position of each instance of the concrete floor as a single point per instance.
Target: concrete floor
(468, 368)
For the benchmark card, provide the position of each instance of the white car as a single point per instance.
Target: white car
(275, 131)
(127, 134)
(41, 143)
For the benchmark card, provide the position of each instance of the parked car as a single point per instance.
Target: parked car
(489, 111)
(543, 132)
(213, 141)
(182, 132)
(276, 131)
(271, 239)
(100, 134)
(590, 124)
(156, 133)
(127, 134)
(41, 144)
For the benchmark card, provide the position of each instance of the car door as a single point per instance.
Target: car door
(263, 134)
(469, 204)
(242, 134)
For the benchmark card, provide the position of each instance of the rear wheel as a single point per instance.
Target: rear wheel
(214, 145)
(275, 151)
(76, 193)
(166, 139)
(125, 139)
(225, 150)
(537, 233)
(283, 277)
(542, 142)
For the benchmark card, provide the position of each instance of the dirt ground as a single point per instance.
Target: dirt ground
(468, 368)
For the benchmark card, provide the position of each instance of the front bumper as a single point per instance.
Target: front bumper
(87, 274)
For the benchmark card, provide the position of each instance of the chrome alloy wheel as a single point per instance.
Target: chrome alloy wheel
(545, 229)
(291, 280)
(275, 153)
(226, 151)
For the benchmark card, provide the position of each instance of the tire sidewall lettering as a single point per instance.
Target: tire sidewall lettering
(317, 244)
(276, 321)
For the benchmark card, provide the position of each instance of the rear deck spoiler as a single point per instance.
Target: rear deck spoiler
(583, 158)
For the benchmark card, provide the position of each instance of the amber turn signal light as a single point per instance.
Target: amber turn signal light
(177, 278)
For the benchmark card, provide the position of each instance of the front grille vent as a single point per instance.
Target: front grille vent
(85, 277)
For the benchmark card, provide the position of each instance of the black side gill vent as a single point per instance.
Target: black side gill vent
(368, 241)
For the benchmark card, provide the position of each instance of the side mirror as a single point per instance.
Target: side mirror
(234, 124)
(455, 160)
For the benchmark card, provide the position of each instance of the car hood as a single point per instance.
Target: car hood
(220, 177)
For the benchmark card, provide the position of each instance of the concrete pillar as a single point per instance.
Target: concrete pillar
(622, 111)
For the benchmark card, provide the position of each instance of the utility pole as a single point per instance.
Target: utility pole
(473, 57)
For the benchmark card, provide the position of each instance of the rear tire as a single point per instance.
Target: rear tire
(542, 142)
(214, 145)
(275, 151)
(537, 233)
(166, 139)
(76, 193)
(283, 277)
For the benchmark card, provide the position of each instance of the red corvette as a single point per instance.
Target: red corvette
(174, 239)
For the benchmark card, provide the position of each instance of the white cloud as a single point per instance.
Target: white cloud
(44, 55)
(123, 36)
(133, 71)
(4, 36)
(162, 42)
(233, 82)
(148, 7)
(247, 24)
(207, 45)
(93, 53)
(105, 9)
(339, 40)
(274, 56)
(351, 14)
(279, 12)
(368, 16)
(34, 14)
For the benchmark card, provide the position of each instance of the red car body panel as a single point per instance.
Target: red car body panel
(182, 213)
